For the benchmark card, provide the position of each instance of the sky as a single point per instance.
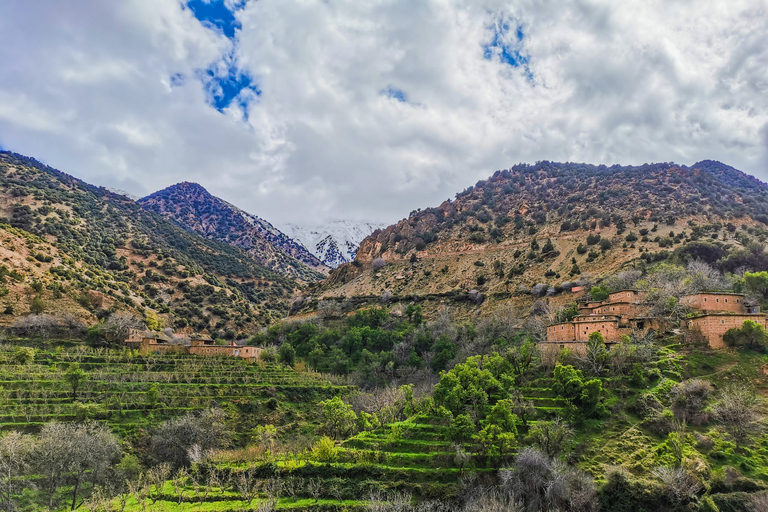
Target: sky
(308, 111)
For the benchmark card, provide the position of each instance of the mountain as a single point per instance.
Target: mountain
(72, 248)
(195, 208)
(543, 226)
(334, 243)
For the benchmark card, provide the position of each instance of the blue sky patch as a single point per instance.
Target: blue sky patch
(225, 89)
(397, 94)
(507, 46)
(215, 13)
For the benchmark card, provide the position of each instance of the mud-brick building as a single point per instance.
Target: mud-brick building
(711, 327)
(625, 311)
(206, 347)
(614, 317)
(149, 342)
(715, 314)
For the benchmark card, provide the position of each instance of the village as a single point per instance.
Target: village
(712, 314)
(147, 341)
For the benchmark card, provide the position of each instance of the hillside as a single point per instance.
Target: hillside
(195, 208)
(334, 243)
(550, 223)
(84, 251)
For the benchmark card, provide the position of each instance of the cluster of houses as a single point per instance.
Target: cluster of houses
(625, 311)
(148, 342)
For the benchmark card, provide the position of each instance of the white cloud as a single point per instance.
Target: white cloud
(87, 87)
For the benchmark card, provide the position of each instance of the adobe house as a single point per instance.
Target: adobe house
(717, 301)
(158, 342)
(232, 349)
(625, 311)
(711, 327)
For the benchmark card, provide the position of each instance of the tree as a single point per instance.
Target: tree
(338, 417)
(598, 293)
(287, 354)
(544, 483)
(15, 449)
(523, 408)
(552, 437)
(737, 408)
(751, 335)
(597, 354)
(37, 306)
(757, 282)
(461, 428)
(175, 439)
(496, 444)
(76, 453)
(502, 415)
(75, 376)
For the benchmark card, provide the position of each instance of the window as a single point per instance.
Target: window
(737, 301)
(629, 294)
(705, 299)
(562, 327)
(717, 300)
(726, 301)
(722, 321)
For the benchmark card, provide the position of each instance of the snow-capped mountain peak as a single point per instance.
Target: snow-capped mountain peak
(333, 243)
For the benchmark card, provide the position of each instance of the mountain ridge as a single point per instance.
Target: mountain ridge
(545, 224)
(193, 207)
(86, 251)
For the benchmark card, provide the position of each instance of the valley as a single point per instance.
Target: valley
(415, 373)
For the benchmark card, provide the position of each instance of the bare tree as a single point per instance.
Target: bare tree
(172, 440)
(78, 453)
(378, 263)
(15, 449)
(759, 502)
(678, 485)
(689, 398)
(737, 408)
(393, 502)
(315, 488)
(552, 437)
(543, 483)
(156, 478)
(246, 485)
(522, 407)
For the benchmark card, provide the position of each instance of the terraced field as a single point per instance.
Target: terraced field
(130, 391)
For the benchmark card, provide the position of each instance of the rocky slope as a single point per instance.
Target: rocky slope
(551, 224)
(334, 243)
(71, 248)
(195, 208)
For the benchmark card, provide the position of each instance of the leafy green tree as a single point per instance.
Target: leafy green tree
(37, 306)
(287, 354)
(338, 418)
(570, 384)
(598, 293)
(75, 376)
(757, 282)
(470, 386)
(495, 443)
(750, 335)
(23, 355)
(461, 428)
(502, 415)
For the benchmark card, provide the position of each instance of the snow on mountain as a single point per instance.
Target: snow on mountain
(333, 243)
(121, 192)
